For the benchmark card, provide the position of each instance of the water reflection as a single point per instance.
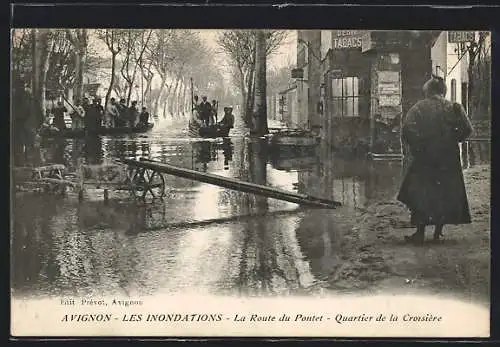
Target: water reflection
(195, 238)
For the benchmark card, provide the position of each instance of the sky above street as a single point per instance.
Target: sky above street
(285, 56)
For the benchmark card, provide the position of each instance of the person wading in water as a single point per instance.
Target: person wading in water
(433, 184)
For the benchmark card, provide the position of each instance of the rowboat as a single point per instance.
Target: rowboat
(284, 163)
(211, 131)
(292, 138)
(70, 133)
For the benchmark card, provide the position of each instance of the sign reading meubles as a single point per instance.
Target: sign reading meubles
(347, 39)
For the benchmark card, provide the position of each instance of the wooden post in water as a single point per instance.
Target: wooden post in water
(233, 184)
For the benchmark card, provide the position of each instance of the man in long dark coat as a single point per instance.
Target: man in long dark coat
(433, 185)
(205, 111)
(94, 116)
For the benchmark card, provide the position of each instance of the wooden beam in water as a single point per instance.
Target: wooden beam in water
(57, 181)
(233, 184)
(385, 156)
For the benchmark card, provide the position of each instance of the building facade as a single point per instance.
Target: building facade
(352, 86)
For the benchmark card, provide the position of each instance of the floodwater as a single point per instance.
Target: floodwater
(201, 238)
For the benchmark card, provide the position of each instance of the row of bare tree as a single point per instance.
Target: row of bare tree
(46, 61)
(172, 56)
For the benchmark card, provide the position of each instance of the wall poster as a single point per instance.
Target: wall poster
(389, 88)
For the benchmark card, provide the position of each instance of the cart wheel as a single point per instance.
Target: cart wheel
(147, 181)
(156, 184)
(138, 184)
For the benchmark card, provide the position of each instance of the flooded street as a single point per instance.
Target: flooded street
(191, 182)
(202, 238)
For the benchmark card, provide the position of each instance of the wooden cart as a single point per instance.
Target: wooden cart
(53, 178)
(140, 182)
(50, 178)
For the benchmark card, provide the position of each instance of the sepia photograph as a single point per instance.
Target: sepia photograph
(244, 182)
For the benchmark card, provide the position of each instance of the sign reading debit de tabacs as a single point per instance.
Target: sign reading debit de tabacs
(346, 39)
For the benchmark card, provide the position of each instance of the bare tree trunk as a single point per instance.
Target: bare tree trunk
(183, 101)
(171, 100)
(130, 87)
(36, 102)
(243, 96)
(177, 101)
(78, 86)
(250, 97)
(259, 121)
(39, 61)
(112, 80)
(166, 98)
(46, 55)
(160, 92)
(148, 98)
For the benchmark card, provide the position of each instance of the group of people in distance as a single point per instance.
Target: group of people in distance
(205, 114)
(91, 116)
(121, 115)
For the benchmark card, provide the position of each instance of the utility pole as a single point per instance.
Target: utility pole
(259, 112)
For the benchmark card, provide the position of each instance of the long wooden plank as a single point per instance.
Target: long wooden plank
(233, 184)
(478, 139)
(57, 181)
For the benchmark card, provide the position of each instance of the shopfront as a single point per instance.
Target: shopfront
(370, 78)
(346, 83)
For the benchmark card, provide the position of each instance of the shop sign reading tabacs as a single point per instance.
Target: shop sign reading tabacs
(346, 39)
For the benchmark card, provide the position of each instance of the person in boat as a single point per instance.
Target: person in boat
(89, 114)
(46, 123)
(59, 111)
(195, 114)
(132, 114)
(227, 121)
(86, 104)
(213, 116)
(205, 111)
(77, 116)
(196, 101)
(143, 117)
(111, 113)
(121, 120)
(93, 117)
(100, 112)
